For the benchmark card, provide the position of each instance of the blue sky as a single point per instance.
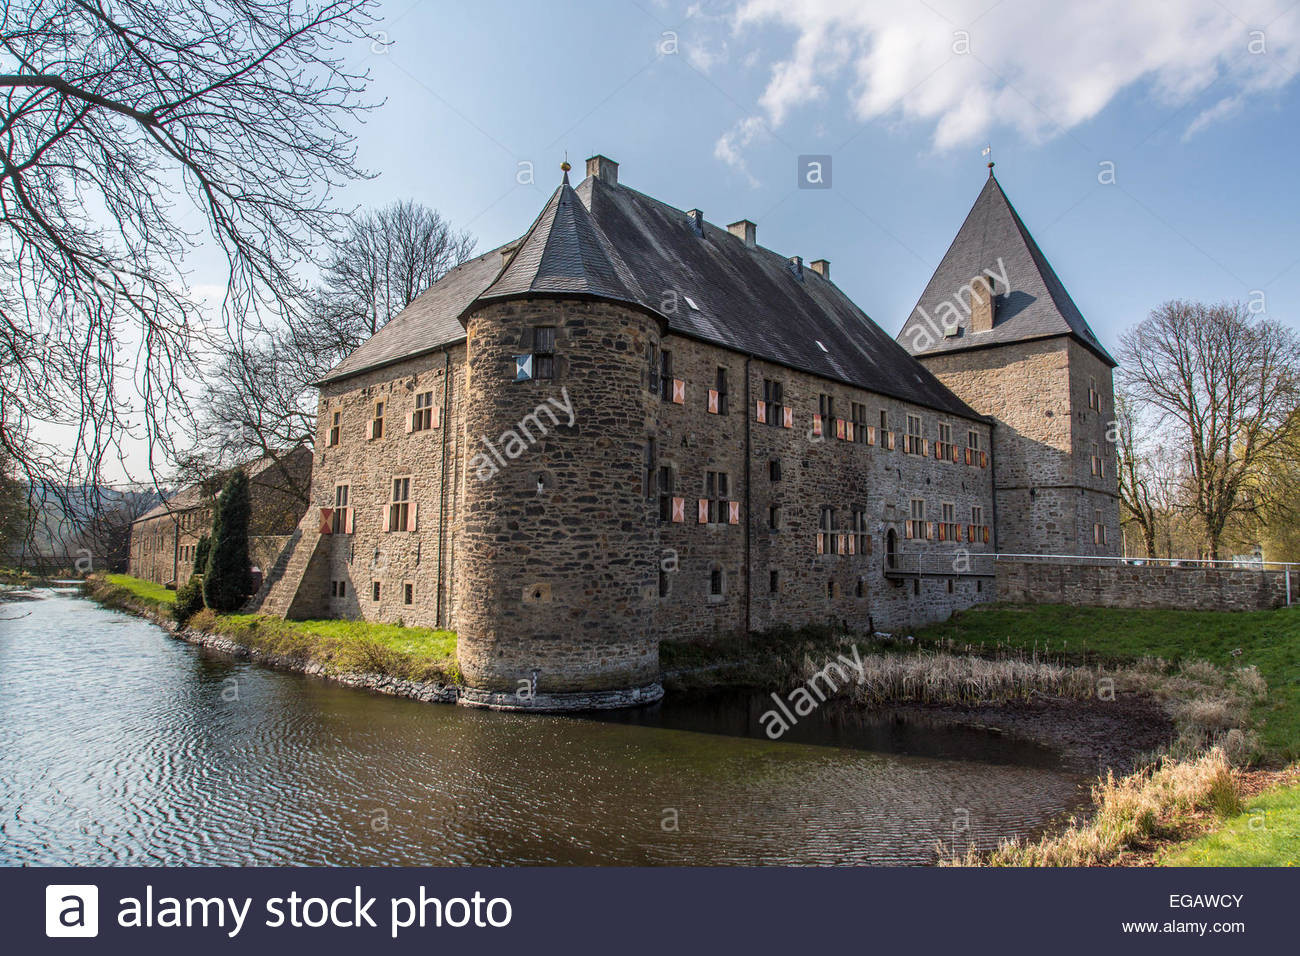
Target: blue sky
(1204, 203)
(708, 105)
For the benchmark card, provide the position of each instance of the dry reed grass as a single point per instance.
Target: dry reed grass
(1130, 811)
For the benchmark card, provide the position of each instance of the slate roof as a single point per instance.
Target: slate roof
(1036, 305)
(192, 496)
(614, 242)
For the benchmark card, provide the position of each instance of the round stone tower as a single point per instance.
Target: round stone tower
(557, 546)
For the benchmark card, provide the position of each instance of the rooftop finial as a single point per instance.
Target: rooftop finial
(987, 152)
(566, 167)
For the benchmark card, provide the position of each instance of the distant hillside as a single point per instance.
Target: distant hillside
(63, 515)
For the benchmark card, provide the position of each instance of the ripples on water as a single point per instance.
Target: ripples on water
(120, 744)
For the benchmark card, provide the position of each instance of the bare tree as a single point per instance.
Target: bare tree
(259, 401)
(386, 258)
(1223, 387)
(116, 121)
(1137, 478)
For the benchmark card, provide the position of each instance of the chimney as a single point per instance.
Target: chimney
(981, 304)
(796, 266)
(745, 230)
(822, 267)
(697, 221)
(604, 169)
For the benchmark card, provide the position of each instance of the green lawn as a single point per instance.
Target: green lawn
(410, 653)
(1266, 834)
(1270, 640)
(144, 590)
(417, 641)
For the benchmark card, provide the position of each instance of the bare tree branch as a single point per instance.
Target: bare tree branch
(116, 121)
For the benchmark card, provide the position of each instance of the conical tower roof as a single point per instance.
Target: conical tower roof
(1033, 303)
(565, 252)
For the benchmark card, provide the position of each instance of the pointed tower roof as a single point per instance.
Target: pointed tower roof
(565, 252)
(1032, 305)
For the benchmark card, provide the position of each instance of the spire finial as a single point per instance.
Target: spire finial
(566, 167)
(988, 150)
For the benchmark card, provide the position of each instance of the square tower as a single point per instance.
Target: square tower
(996, 325)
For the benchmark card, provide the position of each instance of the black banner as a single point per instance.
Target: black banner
(652, 911)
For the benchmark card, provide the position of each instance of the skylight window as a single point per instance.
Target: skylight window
(691, 302)
(822, 347)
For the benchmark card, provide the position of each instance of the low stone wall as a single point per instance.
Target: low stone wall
(1140, 586)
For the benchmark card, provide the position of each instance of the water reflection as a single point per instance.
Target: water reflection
(119, 744)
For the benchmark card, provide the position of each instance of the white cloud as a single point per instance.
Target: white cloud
(1225, 107)
(731, 144)
(1036, 68)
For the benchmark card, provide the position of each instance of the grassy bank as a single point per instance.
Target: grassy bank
(135, 589)
(1130, 812)
(334, 646)
(1267, 833)
(1266, 640)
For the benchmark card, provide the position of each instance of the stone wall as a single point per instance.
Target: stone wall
(849, 590)
(264, 549)
(1140, 586)
(350, 567)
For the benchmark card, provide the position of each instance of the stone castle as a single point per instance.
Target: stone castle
(632, 424)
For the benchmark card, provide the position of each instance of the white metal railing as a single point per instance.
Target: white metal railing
(1226, 563)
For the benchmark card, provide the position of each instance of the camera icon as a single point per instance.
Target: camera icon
(71, 910)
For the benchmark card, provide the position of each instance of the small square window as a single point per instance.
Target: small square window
(715, 582)
(774, 581)
(774, 469)
(408, 593)
(374, 591)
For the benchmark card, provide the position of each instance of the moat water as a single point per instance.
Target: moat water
(122, 745)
